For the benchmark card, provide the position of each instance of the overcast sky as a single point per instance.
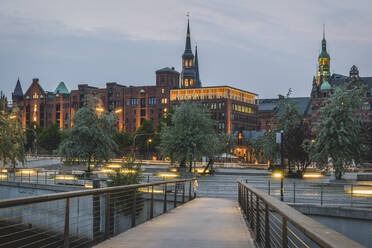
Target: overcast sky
(261, 46)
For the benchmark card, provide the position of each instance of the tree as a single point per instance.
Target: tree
(192, 134)
(339, 136)
(12, 138)
(367, 141)
(265, 147)
(90, 138)
(50, 138)
(123, 141)
(146, 140)
(132, 174)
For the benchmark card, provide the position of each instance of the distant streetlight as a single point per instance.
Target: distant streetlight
(100, 109)
(134, 142)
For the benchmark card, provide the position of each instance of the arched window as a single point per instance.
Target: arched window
(191, 82)
(184, 63)
(182, 83)
(190, 63)
(186, 82)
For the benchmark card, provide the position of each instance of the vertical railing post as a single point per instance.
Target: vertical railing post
(46, 177)
(267, 226)
(321, 194)
(183, 192)
(29, 177)
(284, 232)
(165, 198)
(246, 203)
(239, 197)
(269, 186)
(175, 195)
(294, 192)
(194, 188)
(251, 207)
(134, 207)
(351, 195)
(258, 219)
(55, 177)
(152, 203)
(108, 215)
(66, 243)
(190, 190)
(21, 176)
(37, 177)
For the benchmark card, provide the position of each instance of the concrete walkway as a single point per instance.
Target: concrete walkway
(201, 223)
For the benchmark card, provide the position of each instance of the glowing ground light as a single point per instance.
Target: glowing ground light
(27, 171)
(277, 175)
(156, 191)
(114, 166)
(66, 177)
(88, 186)
(173, 170)
(167, 174)
(2, 176)
(107, 171)
(128, 171)
(4, 170)
(201, 170)
(312, 175)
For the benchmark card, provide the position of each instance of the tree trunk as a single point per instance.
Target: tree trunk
(88, 169)
(338, 166)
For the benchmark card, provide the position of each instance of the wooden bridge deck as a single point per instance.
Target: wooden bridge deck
(203, 222)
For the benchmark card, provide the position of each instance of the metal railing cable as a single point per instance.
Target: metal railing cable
(85, 218)
(275, 224)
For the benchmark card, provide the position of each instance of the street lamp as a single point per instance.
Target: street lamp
(148, 143)
(35, 140)
(279, 139)
(134, 142)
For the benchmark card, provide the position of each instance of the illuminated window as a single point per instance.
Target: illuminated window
(186, 82)
(164, 100)
(165, 110)
(162, 91)
(190, 63)
(191, 82)
(35, 96)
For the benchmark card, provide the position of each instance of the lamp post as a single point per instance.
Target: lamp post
(35, 139)
(148, 143)
(134, 142)
(279, 140)
(193, 157)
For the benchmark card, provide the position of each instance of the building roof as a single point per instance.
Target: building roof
(325, 86)
(167, 69)
(61, 89)
(18, 89)
(270, 105)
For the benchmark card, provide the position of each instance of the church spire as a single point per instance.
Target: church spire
(18, 89)
(188, 38)
(197, 78)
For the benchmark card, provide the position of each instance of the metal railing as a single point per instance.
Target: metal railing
(84, 218)
(357, 194)
(275, 224)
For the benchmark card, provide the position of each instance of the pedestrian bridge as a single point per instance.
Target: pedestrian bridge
(124, 216)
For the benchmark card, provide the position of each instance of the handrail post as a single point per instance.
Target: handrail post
(190, 190)
(37, 177)
(175, 196)
(194, 189)
(134, 205)
(351, 195)
(165, 198)
(268, 182)
(267, 226)
(239, 197)
(284, 232)
(183, 192)
(152, 203)
(251, 207)
(246, 202)
(257, 218)
(66, 242)
(108, 215)
(294, 192)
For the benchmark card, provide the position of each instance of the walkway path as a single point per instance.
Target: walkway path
(202, 223)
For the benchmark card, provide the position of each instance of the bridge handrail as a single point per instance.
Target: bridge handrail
(57, 196)
(320, 234)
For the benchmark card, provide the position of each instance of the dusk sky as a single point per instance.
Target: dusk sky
(264, 47)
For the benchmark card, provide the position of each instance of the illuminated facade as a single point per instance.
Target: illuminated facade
(233, 110)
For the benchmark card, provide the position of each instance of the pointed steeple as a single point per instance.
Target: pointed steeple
(197, 78)
(188, 38)
(324, 53)
(18, 89)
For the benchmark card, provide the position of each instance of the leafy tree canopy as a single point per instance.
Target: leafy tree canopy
(191, 133)
(90, 138)
(124, 141)
(339, 136)
(50, 138)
